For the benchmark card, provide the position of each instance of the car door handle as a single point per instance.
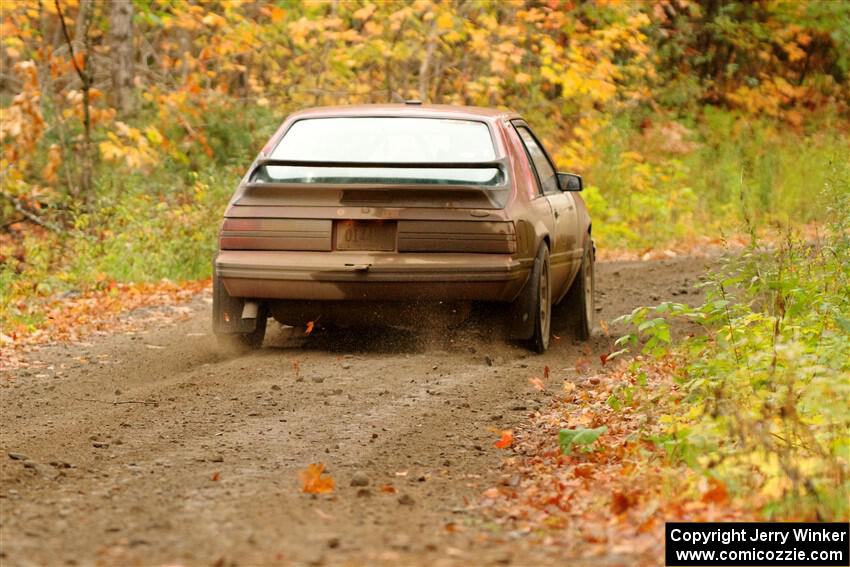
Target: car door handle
(358, 267)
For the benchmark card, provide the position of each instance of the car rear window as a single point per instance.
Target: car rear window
(384, 140)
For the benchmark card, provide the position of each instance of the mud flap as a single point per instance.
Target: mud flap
(227, 311)
(521, 319)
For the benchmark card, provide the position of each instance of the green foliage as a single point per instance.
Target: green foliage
(578, 436)
(766, 389)
(140, 229)
(668, 182)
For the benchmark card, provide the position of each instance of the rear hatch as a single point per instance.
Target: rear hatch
(274, 212)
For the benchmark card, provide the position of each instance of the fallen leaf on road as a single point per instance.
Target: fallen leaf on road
(312, 481)
(537, 383)
(215, 476)
(621, 502)
(388, 488)
(310, 325)
(583, 471)
(545, 372)
(717, 494)
(506, 441)
(583, 365)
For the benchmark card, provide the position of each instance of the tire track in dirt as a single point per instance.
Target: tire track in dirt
(416, 413)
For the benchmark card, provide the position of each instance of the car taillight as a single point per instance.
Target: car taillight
(485, 237)
(275, 234)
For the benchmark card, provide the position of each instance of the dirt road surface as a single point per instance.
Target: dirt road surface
(153, 447)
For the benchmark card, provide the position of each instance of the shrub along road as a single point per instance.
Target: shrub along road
(152, 446)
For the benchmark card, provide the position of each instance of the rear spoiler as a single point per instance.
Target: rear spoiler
(283, 193)
(500, 164)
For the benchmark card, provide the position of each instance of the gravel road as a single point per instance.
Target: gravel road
(153, 447)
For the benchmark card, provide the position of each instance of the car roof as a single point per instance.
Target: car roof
(407, 110)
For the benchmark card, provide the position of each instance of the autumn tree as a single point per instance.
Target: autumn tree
(121, 52)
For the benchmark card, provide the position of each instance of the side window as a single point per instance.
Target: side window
(545, 173)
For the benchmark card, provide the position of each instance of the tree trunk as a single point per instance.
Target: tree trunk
(121, 47)
(84, 72)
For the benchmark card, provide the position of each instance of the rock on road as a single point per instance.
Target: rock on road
(197, 463)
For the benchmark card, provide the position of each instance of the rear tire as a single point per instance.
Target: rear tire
(543, 301)
(578, 305)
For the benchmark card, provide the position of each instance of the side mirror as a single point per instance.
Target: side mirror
(570, 182)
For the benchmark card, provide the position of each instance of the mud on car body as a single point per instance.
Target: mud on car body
(349, 210)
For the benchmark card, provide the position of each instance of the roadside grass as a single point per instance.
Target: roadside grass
(141, 229)
(759, 401)
(149, 217)
(717, 175)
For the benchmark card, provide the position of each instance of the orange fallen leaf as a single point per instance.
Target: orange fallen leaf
(312, 481)
(310, 325)
(717, 494)
(537, 383)
(583, 471)
(506, 441)
(388, 488)
(621, 501)
(545, 372)
(215, 476)
(583, 365)
(492, 493)
(604, 327)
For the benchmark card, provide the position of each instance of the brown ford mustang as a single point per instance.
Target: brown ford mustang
(353, 209)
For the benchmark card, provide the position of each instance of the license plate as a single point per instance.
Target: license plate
(365, 235)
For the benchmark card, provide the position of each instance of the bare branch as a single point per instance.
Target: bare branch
(80, 72)
(29, 215)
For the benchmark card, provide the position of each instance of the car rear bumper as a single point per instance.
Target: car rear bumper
(371, 275)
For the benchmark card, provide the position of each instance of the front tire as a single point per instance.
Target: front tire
(579, 306)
